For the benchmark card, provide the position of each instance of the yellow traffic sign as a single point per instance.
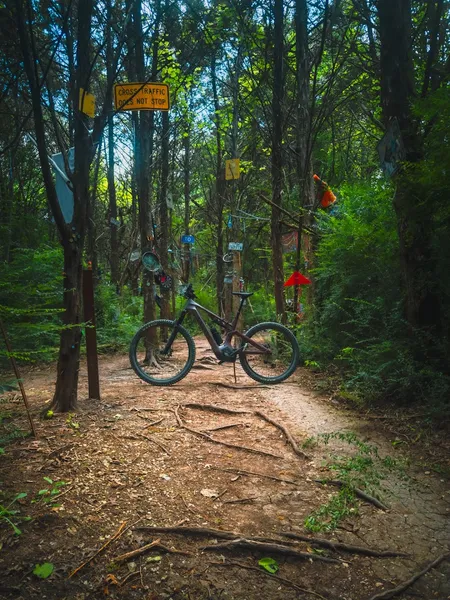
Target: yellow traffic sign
(86, 103)
(232, 170)
(141, 96)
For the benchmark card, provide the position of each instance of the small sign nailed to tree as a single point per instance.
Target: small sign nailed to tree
(236, 246)
(187, 239)
(232, 169)
(141, 96)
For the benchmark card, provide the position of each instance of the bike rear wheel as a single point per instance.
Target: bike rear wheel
(281, 360)
(162, 353)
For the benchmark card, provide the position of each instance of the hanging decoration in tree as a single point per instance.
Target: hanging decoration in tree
(297, 279)
(151, 261)
(327, 198)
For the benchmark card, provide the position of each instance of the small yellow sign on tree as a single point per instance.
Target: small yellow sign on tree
(141, 96)
(232, 170)
(86, 103)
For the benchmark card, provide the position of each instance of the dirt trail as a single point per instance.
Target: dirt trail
(119, 467)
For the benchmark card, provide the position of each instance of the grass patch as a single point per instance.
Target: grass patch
(363, 468)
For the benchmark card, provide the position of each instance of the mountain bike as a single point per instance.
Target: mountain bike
(162, 352)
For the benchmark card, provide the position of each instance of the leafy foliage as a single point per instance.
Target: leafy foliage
(357, 316)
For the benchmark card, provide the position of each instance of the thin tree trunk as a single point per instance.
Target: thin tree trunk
(114, 249)
(277, 158)
(164, 214)
(303, 158)
(187, 199)
(219, 194)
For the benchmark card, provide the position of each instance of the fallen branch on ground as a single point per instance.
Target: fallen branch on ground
(187, 506)
(285, 431)
(340, 546)
(241, 500)
(254, 474)
(114, 537)
(154, 442)
(153, 423)
(137, 552)
(156, 545)
(144, 408)
(220, 495)
(269, 548)
(406, 584)
(357, 491)
(226, 444)
(287, 582)
(214, 408)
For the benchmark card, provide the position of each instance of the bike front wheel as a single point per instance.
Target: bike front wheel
(162, 352)
(275, 356)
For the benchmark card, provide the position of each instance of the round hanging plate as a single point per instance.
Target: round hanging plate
(150, 261)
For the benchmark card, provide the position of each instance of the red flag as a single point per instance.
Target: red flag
(296, 279)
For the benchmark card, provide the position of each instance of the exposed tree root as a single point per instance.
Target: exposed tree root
(201, 531)
(285, 431)
(240, 387)
(288, 582)
(357, 491)
(257, 413)
(269, 548)
(203, 367)
(226, 444)
(235, 541)
(254, 474)
(220, 427)
(340, 546)
(406, 584)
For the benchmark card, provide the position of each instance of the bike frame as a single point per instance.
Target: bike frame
(222, 352)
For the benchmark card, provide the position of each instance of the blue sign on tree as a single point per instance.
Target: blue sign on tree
(187, 239)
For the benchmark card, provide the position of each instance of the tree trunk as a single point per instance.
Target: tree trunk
(164, 214)
(113, 242)
(187, 200)
(219, 194)
(72, 237)
(303, 152)
(69, 358)
(414, 218)
(277, 158)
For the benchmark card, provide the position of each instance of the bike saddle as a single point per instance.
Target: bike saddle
(243, 294)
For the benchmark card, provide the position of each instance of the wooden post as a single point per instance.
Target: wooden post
(91, 334)
(17, 374)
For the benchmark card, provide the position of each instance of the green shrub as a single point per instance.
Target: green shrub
(31, 303)
(118, 317)
(357, 320)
